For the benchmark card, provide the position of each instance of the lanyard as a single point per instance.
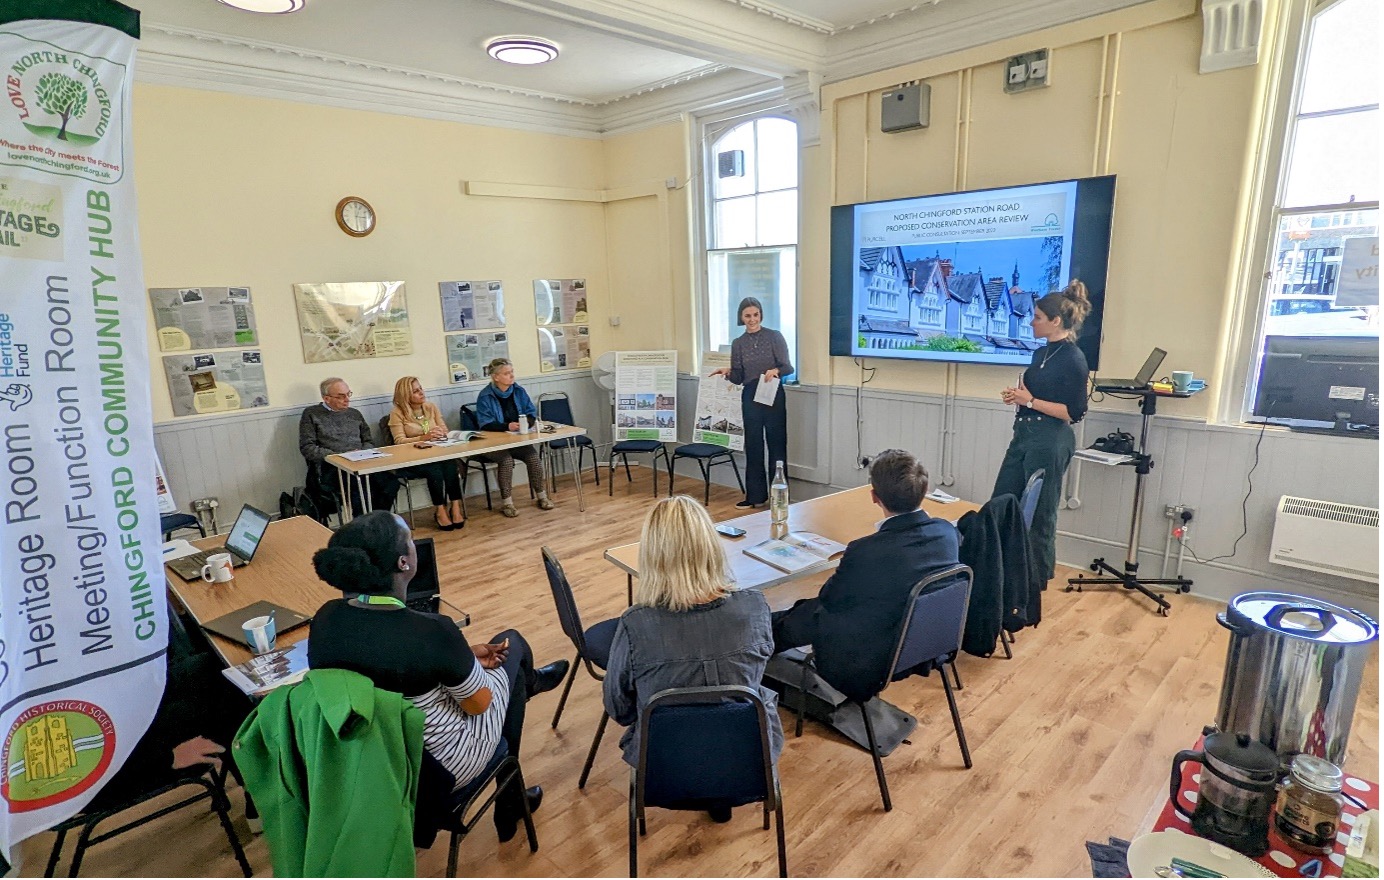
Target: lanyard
(379, 600)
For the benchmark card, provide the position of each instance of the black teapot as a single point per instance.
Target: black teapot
(1238, 788)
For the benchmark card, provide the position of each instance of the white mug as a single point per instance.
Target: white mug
(260, 633)
(1182, 381)
(218, 569)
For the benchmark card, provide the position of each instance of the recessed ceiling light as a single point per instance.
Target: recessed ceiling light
(520, 50)
(271, 7)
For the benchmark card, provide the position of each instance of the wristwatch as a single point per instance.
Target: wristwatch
(1029, 403)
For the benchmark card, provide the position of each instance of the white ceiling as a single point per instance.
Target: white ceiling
(623, 63)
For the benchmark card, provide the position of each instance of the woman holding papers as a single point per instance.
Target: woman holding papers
(1051, 397)
(414, 418)
(688, 626)
(759, 356)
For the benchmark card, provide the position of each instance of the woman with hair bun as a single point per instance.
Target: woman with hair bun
(472, 696)
(1050, 397)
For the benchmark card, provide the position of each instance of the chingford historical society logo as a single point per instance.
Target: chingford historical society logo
(55, 751)
(65, 102)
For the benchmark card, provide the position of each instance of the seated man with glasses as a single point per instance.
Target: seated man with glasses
(333, 427)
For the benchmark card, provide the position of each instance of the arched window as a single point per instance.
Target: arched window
(752, 227)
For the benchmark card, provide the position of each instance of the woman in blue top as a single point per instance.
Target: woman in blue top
(499, 407)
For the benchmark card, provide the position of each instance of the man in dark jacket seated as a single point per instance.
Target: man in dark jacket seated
(854, 622)
(333, 427)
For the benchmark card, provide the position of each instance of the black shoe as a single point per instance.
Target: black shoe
(747, 504)
(719, 815)
(507, 826)
(547, 678)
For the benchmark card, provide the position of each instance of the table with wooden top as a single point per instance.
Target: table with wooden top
(406, 455)
(842, 517)
(281, 572)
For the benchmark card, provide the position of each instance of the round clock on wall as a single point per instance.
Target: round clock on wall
(355, 216)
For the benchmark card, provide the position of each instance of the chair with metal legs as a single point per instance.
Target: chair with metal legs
(701, 747)
(626, 448)
(503, 770)
(592, 645)
(929, 639)
(707, 456)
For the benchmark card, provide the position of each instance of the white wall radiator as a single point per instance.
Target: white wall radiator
(1339, 539)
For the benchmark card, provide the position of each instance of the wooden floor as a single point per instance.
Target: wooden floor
(1072, 739)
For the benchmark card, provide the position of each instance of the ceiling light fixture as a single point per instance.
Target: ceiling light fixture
(269, 7)
(520, 50)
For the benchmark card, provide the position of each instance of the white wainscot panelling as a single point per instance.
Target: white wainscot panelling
(250, 457)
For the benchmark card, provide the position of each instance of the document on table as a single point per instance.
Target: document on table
(364, 454)
(940, 497)
(767, 392)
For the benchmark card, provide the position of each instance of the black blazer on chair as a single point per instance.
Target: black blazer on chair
(861, 607)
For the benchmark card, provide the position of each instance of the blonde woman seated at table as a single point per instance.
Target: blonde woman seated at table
(688, 627)
(499, 407)
(414, 418)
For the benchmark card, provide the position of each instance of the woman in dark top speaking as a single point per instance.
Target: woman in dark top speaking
(1051, 397)
(759, 353)
(472, 696)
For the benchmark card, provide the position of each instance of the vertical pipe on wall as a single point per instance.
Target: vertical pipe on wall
(947, 428)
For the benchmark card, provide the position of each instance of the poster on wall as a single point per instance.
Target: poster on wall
(225, 381)
(84, 628)
(720, 418)
(353, 319)
(646, 395)
(564, 348)
(560, 301)
(203, 317)
(469, 353)
(472, 305)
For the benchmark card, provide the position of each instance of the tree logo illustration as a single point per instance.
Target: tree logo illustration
(62, 96)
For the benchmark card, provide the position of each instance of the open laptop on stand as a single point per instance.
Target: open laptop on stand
(424, 591)
(1141, 380)
(241, 544)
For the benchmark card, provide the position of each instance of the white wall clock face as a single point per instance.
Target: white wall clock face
(355, 216)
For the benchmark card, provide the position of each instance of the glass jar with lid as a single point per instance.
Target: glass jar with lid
(1310, 804)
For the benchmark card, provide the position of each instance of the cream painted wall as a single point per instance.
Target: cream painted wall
(1178, 140)
(649, 243)
(240, 191)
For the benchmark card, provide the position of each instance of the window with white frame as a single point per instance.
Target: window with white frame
(752, 235)
(1315, 361)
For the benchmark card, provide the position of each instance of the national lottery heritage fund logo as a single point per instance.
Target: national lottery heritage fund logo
(54, 752)
(66, 101)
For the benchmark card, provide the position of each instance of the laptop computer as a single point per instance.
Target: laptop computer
(424, 592)
(229, 625)
(241, 544)
(1141, 379)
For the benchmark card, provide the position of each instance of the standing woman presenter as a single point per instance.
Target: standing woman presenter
(759, 354)
(1051, 397)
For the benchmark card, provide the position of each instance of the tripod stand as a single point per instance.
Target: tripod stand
(1142, 463)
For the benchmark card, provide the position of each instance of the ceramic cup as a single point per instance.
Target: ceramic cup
(219, 569)
(1182, 381)
(260, 633)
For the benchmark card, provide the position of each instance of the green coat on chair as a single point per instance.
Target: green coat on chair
(332, 764)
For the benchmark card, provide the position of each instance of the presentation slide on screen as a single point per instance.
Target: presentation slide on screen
(954, 277)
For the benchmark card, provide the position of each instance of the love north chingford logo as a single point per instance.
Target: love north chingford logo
(59, 95)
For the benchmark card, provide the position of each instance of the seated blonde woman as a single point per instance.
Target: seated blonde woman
(688, 627)
(414, 418)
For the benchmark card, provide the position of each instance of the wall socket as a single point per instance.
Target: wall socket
(865, 461)
(209, 503)
(1179, 512)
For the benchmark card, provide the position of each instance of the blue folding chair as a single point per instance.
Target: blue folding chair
(929, 639)
(707, 456)
(553, 406)
(626, 448)
(592, 644)
(701, 747)
(177, 521)
(467, 806)
(1029, 502)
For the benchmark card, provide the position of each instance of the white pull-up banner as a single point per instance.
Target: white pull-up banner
(82, 608)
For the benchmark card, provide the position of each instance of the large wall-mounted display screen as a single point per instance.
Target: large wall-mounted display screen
(954, 276)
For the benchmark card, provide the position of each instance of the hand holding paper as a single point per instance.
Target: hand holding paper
(767, 392)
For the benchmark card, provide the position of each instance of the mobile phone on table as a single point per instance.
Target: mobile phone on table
(730, 531)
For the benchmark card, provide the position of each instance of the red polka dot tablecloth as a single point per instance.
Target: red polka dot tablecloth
(1281, 858)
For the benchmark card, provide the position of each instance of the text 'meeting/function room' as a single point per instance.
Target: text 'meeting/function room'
(560, 438)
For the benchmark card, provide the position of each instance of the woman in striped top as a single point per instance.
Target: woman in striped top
(471, 696)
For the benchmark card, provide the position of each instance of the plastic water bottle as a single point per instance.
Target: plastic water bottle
(778, 495)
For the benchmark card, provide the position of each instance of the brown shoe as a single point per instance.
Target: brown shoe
(544, 504)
